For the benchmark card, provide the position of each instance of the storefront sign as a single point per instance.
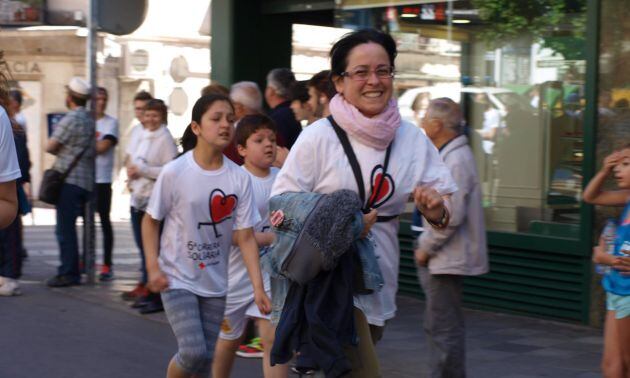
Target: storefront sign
(357, 4)
(23, 67)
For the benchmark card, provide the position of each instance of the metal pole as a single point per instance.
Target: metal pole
(89, 246)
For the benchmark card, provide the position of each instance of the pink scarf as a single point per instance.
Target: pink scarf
(376, 132)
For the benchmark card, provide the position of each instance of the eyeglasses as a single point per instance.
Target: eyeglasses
(362, 74)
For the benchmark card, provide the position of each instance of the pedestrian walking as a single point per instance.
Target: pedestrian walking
(445, 256)
(256, 142)
(106, 140)
(72, 142)
(616, 280)
(365, 147)
(205, 201)
(140, 101)
(155, 147)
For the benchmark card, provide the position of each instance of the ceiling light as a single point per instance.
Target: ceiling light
(461, 21)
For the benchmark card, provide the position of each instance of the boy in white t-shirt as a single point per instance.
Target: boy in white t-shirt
(256, 142)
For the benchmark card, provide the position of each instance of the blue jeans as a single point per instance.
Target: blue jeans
(72, 200)
(136, 225)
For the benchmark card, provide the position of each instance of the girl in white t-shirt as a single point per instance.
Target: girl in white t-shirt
(205, 202)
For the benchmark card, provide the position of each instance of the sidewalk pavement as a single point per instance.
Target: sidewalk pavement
(88, 331)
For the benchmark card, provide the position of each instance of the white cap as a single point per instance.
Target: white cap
(79, 87)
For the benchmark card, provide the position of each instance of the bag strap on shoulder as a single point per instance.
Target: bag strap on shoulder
(356, 168)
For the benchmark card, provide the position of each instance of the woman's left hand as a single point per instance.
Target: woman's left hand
(262, 301)
(429, 202)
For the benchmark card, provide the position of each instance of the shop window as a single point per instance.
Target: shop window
(521, 90)
(614, 78)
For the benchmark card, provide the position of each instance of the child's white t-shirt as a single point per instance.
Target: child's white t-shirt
(9, 167)
(200, 209)
(317, 163)
(239, 286)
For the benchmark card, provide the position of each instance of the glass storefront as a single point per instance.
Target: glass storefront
(614, 77)
(519, 76)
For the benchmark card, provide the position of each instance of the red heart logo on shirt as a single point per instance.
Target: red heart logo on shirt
(382, 182)
(222, 206)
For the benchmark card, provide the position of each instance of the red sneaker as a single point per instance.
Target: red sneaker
(253, 349)
(138, 291)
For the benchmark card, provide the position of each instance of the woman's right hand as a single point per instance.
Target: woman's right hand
(157, 281)
(368, 221)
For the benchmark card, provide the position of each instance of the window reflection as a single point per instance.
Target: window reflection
(523, 101)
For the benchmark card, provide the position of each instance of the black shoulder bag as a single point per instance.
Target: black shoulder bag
(52, 181)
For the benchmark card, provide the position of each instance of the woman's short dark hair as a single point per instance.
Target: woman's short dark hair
(159, 106)
(341, 49)
(188, 140)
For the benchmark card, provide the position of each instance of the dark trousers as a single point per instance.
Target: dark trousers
(70, 206)
(136, 223)
(103, 207)
(444, 324)
(11, 250)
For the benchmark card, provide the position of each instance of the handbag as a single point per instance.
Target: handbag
(52, 181)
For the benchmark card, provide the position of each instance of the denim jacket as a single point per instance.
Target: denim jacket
(297, 208)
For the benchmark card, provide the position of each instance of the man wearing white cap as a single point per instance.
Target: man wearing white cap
(72, 140)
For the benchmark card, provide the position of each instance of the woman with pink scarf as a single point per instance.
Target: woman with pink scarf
(394, 161)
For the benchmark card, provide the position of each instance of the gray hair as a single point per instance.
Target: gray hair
(448, 111)
(247, 94)
(281, 79)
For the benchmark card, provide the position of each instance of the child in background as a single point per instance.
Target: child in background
(616, 281)
(256, 143)
(206, 201)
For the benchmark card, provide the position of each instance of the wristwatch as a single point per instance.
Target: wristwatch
(443, 222)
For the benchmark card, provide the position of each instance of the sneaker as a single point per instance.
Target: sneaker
(153, 304)
(2, 279)
(137, 292)
(141, 301)
(62, 281)
(253, 349)
(107, 274)
(10, 287)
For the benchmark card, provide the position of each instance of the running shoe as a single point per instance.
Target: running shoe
(253, 349)
(137, 292)
(107, 274)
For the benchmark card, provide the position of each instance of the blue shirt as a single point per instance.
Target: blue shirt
(614, 282)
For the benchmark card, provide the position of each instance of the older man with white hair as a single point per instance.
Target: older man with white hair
(277, 96)
(445, 256)
(247, 99)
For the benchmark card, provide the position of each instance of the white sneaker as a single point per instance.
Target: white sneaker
(10, 288)
(2, 280)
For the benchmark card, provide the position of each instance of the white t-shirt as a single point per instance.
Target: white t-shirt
(106, 127)
(318, 163)
(200, 209)
(239, 286)
(9, 167)
(134, 135)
